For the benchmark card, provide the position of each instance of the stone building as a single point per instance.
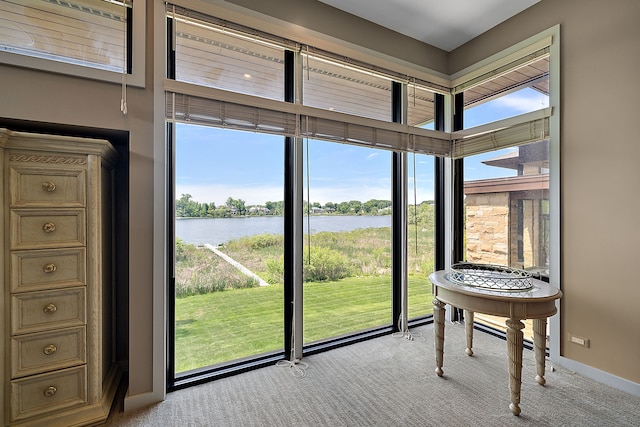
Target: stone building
(507, 219)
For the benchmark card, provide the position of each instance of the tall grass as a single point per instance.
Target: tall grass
(327, 256)
(200, 271)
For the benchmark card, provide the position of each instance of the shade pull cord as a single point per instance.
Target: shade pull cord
(406, 333)
(414, 90)
(297, 366)
(308, 71)
(123, 99)
(308, 203)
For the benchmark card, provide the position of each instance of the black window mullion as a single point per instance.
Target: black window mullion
(289, 208)
(129, 18)
(458, 185)
(439, 190)
(397, 222)
(171, 276)
(171, 52)
(457, 314)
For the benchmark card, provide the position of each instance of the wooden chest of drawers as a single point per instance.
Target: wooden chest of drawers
(57, 352)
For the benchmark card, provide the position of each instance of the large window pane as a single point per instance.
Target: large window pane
(421, 207)
(507, 212)
(347, 257)
(421, 238)
(229, 246)
(84, 32)
(507, 207)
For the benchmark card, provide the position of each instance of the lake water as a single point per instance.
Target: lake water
(216, 231)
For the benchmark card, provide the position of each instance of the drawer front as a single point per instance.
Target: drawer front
(47, 351)
(45, 393)
(47, 310)
(47, 269)
(31, 187)
(33, 229)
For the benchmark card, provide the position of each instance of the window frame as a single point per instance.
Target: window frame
(447, 168)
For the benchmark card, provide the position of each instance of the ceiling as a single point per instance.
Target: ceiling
(444, 24)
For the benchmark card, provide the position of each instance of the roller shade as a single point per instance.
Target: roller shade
(243, 112)
(183, 108)
(189, 103)
(396, 137)
(499, 70)
(511, 132)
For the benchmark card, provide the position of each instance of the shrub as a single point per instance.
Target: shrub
(181, 249)
(261, 241)
(324, 264)
(275, 270)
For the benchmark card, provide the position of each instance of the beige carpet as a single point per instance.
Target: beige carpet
(391, 381)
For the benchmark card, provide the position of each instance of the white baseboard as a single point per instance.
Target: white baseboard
(141, 400)
(601, 376)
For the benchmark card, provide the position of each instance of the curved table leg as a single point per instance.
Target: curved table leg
(468, 327)
(540, 344)
(438, 331)
(514, 346)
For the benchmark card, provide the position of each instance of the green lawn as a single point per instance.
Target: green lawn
(222, 326)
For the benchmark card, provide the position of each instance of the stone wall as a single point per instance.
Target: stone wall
(487, 228)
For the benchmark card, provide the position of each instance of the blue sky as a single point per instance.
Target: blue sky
(214, 164)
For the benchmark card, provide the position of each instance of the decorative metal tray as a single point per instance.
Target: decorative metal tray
(490, 276)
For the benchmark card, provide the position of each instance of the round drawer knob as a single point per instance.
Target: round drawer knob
(49, 268)
(49, 186)
(50, 391)
(49, 227)
(50, 308)
(50, 349)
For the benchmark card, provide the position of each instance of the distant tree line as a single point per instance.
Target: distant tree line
(186, 207)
